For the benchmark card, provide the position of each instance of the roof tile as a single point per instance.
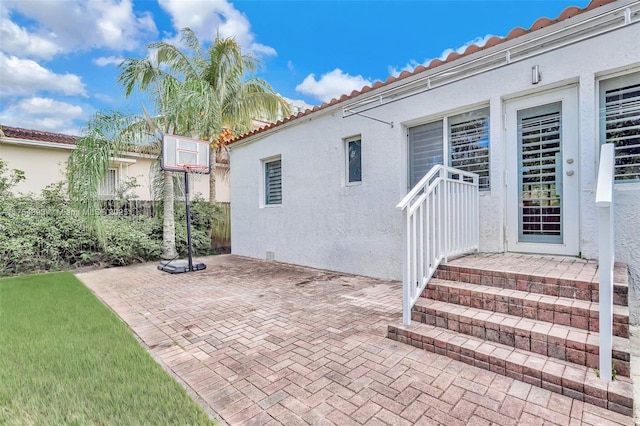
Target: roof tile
(37, 135)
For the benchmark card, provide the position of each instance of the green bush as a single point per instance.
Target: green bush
(44, 234)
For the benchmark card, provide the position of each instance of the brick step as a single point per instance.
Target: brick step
(546, 285)
(578, 382)
(581, 314)
(556, 341)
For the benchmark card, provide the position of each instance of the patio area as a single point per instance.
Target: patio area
(259, 342)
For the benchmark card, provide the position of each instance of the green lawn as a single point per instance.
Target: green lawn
(67, 359)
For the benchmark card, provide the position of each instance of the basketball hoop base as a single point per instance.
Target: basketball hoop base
(180, 266)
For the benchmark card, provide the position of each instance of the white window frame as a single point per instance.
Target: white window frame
(607, 83)
(347, 177)
(104, 186)
(446, 122)
(264, 181)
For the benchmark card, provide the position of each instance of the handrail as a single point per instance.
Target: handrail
(606, 255)
(419, 186)
(441, 219)
(604, 188)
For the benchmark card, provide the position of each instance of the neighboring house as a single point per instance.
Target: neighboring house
(43, 156)
(527, 112)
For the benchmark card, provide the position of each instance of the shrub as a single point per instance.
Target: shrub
(44, 234)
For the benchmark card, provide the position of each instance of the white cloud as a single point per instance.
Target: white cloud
(22, 77)
(108, 60)
(44, 114)
(331, 85)
(479, 41)
(17, 40)
(78, 24)
(206, 19)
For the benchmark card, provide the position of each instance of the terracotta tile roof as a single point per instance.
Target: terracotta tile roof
(37, 135)
(543, 22)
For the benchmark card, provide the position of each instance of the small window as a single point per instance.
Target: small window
(620, 124)
(273, 182)
(110, 183)
(354, 160)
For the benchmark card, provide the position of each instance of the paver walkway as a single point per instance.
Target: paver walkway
(267, 343)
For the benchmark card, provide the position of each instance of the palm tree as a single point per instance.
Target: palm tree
(181, 106)
(236, 97)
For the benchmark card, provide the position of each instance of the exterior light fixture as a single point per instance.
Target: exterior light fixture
(535, 74)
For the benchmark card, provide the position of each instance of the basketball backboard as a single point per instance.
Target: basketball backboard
(180, 154)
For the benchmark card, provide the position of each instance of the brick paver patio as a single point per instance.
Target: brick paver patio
(262, 343)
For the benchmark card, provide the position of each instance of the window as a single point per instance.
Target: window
(466, 141)
(273, 182)
(110, 183)
(620, 124)
(425, 150)
(354, 160)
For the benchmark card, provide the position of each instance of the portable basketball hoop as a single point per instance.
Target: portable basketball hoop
(180, 154)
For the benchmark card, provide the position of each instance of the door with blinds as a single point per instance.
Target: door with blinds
(542, 174)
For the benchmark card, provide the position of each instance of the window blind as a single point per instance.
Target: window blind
(425, 150)
(622, 128)
(469, 144)
(273, 182)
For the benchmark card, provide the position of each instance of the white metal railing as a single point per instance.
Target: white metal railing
(441, 219)
(606, 256)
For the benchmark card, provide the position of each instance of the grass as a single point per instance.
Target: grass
(67, 359)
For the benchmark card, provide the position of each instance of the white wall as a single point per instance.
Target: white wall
(356, 229)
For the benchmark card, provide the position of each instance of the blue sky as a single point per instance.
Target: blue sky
(59, 58)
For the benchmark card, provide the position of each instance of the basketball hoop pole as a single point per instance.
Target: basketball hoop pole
(188, 204)
(181, 154)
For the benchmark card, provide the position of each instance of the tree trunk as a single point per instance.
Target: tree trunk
(168, 223)
(212, 175)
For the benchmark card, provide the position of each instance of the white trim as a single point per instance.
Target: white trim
(120, 160)
(40, 144)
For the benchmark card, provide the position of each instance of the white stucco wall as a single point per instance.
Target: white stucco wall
(356, 229)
